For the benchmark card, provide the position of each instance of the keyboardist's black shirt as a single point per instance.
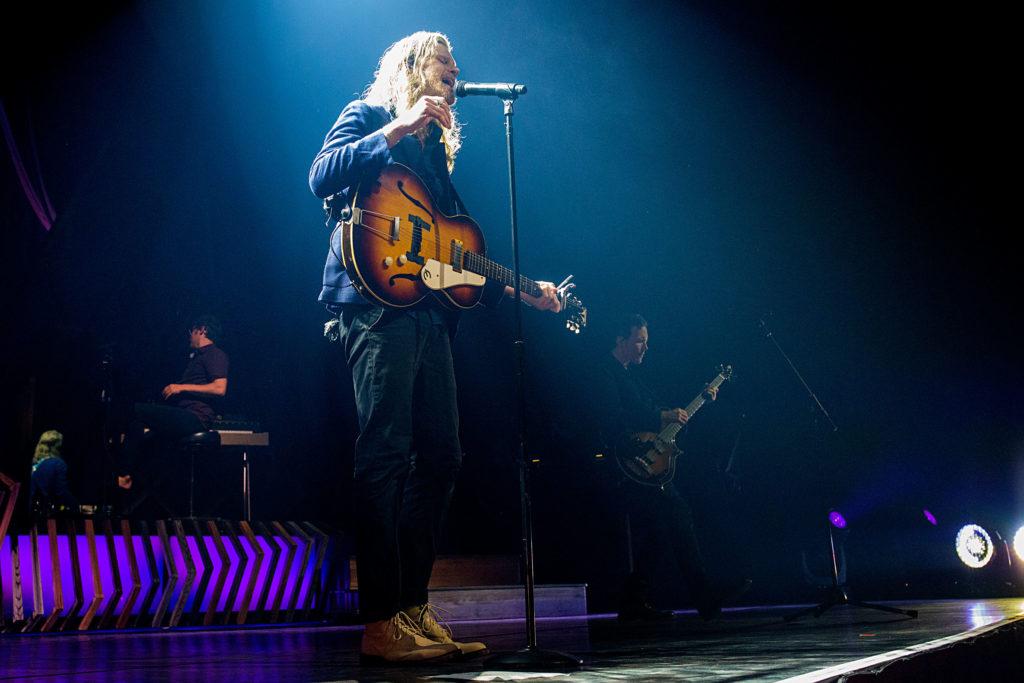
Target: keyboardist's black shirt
(204, 365)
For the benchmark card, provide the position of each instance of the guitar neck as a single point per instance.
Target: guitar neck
(696, 404)
(481, 265)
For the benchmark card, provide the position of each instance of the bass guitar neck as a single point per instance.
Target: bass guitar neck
(650, 459)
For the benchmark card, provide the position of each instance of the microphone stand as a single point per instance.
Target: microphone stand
(837, 594)
(530, 656)
(768, 333)
(106, 399)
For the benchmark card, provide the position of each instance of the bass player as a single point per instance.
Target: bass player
(659, 519)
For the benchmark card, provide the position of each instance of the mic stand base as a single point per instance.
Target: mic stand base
(837, 597)
(837, 593)
(531, 657)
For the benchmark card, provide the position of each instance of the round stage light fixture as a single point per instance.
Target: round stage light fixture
(974, 546)
(1018, 543)
(836, 519)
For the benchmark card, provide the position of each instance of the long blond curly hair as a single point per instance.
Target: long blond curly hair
(49, 446)
(399, 81)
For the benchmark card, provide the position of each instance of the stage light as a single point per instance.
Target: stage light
(930, 517)
(836, 519)
(974, 546)
(1018, 543)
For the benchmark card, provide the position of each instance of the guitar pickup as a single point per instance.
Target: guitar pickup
(456, 260)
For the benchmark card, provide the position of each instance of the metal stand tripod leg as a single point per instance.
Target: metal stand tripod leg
(837, 595)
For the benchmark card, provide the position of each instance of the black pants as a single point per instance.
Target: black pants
(662, 530)
(166, 423)
(407, 455)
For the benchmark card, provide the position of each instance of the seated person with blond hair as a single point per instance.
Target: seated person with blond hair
(49, 490)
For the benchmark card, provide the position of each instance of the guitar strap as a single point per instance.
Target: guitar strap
(460, 206)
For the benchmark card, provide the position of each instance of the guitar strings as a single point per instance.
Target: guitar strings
(432, 241)
(429, 241)
(486, 262)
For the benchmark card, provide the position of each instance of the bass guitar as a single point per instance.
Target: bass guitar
(398, 249)
(650, 459)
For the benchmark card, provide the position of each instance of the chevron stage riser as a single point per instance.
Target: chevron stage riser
(66, 576)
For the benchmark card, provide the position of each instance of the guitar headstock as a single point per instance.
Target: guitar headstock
(725, 371)
(575, 313)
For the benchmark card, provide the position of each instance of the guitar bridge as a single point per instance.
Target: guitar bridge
(395, 221)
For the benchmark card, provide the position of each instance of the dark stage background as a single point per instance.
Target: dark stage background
(847, 174)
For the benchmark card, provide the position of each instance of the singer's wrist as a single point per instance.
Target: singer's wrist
(393, 132)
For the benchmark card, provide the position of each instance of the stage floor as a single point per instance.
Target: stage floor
(745, 644)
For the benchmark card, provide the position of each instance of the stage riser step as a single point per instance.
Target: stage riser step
(509, 602)
(454, 571)
(480, 603)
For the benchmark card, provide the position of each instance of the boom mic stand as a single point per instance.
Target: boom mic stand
(531, 655)
(837, 594)
(763, 324)
(106, 399)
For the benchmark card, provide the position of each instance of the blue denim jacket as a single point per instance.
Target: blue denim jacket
(355, 151)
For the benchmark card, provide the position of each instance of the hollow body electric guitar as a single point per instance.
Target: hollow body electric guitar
(398, 249)
(650, 459)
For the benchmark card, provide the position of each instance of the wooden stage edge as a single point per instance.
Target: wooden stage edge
(953, 640)
(932, 660)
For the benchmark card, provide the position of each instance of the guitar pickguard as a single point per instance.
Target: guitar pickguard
(438, 276)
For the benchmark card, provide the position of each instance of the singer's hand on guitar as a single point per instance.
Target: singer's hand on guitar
(711, 392)
(547, 301)
(427, 109)
(674, 415)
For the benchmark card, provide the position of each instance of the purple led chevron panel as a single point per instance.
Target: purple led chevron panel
(288, 588)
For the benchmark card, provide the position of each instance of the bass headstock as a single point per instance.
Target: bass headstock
(725, 371)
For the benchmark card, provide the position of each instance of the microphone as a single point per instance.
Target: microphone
(508, 90)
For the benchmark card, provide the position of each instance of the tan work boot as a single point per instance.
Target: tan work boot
(398, 639)
(425, 617)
